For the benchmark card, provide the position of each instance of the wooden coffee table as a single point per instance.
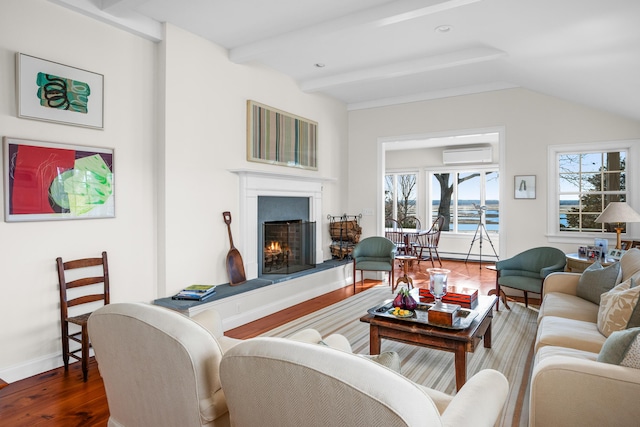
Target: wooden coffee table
(458, 341)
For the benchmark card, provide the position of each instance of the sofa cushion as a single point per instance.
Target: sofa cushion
(630, 263)
(622, 348)
(596, 280)
(570, 333)
(619, 308)
(568, 306)
(551, 351)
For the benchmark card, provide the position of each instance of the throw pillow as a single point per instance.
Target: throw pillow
(390, 359)
(622, 348)
(619, 308)
(630, 263)
(596, 280)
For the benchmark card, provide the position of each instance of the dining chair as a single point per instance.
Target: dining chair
(79, 296)
(412, 237)
(393, 231)
(429, 240)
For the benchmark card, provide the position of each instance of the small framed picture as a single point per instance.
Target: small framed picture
(616, 253)
(524, 187)
(58, 93)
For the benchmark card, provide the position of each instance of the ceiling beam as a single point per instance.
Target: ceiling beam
(379, 16)
(119, 7)
(405, 68)
(126, 19)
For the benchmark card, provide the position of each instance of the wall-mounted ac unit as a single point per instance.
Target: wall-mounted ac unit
(467, 155)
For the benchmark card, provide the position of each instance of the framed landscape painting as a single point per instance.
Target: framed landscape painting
(58, 93)
(280, 138)
(49, 181)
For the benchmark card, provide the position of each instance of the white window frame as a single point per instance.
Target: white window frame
(553, 198)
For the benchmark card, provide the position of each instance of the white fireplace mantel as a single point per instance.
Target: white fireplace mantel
(255, 183)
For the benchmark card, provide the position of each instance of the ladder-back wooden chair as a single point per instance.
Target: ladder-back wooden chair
(90, 293)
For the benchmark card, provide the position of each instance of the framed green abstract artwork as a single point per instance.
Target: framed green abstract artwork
(58, 93)
(49, 181)
(280, 138)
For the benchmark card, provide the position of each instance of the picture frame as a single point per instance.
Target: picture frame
(603, 244)
(59, 93)
(51, 181)
(280, 138)
(616, 254)
(524, 187)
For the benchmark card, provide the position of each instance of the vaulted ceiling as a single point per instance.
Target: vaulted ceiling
(376, 52)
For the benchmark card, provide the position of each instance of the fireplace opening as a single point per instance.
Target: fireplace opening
(288, 246)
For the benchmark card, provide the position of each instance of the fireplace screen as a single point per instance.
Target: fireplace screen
(289, 246)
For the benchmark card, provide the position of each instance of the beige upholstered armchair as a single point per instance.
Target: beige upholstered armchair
(290, 383)
(160, 368)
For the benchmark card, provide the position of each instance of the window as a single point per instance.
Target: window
(588, 182)
(400, 198)
(466, 198)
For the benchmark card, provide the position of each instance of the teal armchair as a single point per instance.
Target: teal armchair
(527, 270)
(373, 254)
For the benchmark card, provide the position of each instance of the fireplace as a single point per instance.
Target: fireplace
(288, 246)
(254, 185)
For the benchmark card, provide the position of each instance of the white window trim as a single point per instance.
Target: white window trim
(633, 194)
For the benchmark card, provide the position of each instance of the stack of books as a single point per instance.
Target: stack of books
(465, 297)
(196, 292)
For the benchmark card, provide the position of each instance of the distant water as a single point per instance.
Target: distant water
(469, 217)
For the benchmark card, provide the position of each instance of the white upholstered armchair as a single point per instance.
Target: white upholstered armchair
(292, 383)
(160, 368)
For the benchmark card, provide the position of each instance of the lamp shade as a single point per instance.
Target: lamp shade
(618, 212)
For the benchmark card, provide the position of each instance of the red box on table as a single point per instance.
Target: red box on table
(465, 297)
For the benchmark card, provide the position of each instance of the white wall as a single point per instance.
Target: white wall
(205, 128)
(29, 312)
(531, 122)
(175, 114)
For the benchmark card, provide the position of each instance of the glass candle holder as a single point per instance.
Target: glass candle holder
(438, 283)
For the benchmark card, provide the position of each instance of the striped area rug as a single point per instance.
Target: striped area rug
(513, 334)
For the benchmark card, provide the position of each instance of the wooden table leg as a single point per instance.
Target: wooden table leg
(502, 296)
(460, 355)
(374, 340)
(487, 337)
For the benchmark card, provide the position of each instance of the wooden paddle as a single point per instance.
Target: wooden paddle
(235, 266)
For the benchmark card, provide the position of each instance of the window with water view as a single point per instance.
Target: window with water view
(588, 182)
(462, 198)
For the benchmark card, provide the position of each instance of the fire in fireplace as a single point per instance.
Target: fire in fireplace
(288, 246)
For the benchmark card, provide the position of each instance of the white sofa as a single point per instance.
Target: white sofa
(569, 386)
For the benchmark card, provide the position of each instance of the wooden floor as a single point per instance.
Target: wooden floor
(56, 398)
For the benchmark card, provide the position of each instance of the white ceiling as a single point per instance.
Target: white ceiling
(378, 52)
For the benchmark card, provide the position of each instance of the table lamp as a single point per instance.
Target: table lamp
(618, 212)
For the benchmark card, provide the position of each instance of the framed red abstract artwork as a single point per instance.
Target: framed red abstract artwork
(50, 181)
